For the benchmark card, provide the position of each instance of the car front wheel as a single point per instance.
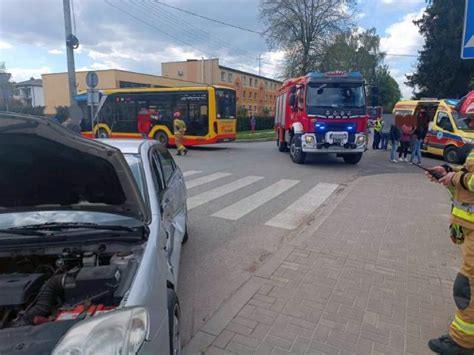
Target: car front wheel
(296, 152)
(174, 317)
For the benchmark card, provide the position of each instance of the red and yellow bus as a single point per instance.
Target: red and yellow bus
(209, 113)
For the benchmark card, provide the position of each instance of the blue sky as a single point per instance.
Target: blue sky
(32, 35)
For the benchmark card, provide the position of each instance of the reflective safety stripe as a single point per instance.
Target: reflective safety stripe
(470, 183)
(463, 214)
(462, 326)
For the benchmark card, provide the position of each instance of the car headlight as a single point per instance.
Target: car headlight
(468, 140)
(309, 139)
(117, 332)
(360, 140)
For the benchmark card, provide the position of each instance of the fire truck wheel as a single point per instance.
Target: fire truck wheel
(452, 155)
(352, 158)
(281, 145)
(296, 153)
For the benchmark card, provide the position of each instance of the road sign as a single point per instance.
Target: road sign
(467, 48)
(92, 79)
(92, 97)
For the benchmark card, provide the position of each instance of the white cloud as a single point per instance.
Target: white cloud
(21, 74)
(388, 2)
(5, 45)
(403, 37)
(55, 51)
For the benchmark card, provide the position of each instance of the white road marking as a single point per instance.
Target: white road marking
(252, 202)
(220, 191)
(191, 172)
(294, 215)
(205, 179)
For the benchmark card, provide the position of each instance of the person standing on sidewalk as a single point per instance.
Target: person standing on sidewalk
(253, 124)
(460, 181)
(179, 131)
(415, 144)
(404, 142)
(385, 135)
(377, 133)
(394, 137)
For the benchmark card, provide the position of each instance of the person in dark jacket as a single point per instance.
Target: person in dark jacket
(394, 138)
(418, 137)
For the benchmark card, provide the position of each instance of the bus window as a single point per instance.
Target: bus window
(194, 110)
(225, 102)
(126, 111)
(160, 105)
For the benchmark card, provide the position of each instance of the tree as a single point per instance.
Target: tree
(302, 29)
(389, 91)
(354, 50)
(440, 71)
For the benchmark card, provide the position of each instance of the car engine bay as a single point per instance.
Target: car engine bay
(41, 288)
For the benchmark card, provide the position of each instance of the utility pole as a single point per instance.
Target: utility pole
(259, 63)
(71, 44)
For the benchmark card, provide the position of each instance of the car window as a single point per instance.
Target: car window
(135, 164)
(443, 121)
(157, 173)
(167, 164)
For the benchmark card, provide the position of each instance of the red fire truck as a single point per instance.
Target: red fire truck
(322, 113)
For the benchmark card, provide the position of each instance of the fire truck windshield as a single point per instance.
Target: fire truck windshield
(335, 95)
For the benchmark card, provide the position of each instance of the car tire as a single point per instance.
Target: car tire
(452, 155)
(102, 133)
(296, 153)
(352, 158)
(162, 138)
(186, 236)
(174, 318)
(281, 145)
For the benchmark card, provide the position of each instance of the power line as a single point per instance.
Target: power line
(210, 19)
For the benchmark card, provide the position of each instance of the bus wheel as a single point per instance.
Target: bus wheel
(102, 133)
(352, 158)
(161, 137)
(452, 155)
(296, 152)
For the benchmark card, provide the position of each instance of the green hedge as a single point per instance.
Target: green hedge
(243, 123)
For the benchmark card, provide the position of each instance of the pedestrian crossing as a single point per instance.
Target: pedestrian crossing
(290, 217)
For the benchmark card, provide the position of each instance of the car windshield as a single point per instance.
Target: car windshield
(12, 220)
(461, 121)
(335, 95)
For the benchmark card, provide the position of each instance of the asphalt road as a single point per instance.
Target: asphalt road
(244, 200)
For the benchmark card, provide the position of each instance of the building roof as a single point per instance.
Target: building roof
(251, 74)
(31, 82)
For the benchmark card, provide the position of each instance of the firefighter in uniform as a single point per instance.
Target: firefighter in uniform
(179, 131)
(460, 182)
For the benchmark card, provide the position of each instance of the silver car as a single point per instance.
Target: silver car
(90, 240)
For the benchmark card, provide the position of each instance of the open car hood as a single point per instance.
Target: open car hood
(44, 166)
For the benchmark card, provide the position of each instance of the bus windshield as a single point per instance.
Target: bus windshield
(336, 95)
(225, 102)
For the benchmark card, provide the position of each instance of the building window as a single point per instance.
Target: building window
(244, 94)
(266, 84)
(229, 77)
(222, 75)
(255, 82)
(266, 97)
(255, 108)
(130, 84)
(255, 95)
(245, 80)
(250, 81)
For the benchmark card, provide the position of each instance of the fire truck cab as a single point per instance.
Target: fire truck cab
(322, 113)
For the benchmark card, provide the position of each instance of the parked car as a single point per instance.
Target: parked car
(90, 240)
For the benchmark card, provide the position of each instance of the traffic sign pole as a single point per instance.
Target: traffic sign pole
(92, 80)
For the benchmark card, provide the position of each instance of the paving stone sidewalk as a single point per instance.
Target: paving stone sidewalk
(374, 278)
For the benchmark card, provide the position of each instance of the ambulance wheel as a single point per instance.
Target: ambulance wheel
(102, 133)
(452, 155)
(296, 153)
(161, 137)
(352, 158)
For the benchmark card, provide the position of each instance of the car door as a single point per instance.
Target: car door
(175, 197)
(440, 130)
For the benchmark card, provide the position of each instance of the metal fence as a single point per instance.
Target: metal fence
(243, 123)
